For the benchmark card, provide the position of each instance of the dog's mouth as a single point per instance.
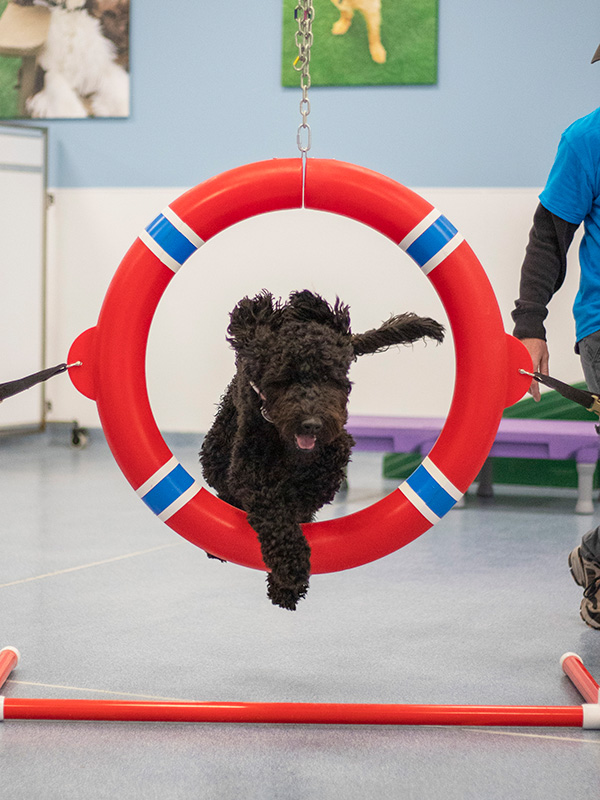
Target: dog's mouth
(305, 442)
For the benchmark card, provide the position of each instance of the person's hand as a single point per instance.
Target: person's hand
(538, 350)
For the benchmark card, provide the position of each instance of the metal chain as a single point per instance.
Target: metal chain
(304, 14)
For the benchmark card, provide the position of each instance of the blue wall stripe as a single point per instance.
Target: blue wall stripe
(169, 489)
(431, 241)
(431, 493)
(170, 239)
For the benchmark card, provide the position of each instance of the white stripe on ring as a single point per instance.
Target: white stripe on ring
(417, 501)
(182, 227)
(155, 479)
(181, 501)
(158, 251)
(420, 228)
(442, 254)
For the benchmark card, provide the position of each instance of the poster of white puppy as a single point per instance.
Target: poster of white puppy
(74, 57)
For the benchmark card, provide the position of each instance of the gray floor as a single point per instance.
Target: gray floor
(103, 601)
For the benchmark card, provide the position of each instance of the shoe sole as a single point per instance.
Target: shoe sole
(591, 623)
(578, 573)
(576, 567)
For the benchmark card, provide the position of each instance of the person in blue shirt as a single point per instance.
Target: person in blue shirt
(570, 198)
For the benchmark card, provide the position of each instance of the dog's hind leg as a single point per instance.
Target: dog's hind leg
(215, 453)
(373, 20)
(111, 98)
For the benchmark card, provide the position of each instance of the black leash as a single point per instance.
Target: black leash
(584, 398)
(14, 387)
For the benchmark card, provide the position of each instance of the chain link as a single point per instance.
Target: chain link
(304, 14)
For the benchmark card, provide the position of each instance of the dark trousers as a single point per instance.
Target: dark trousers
(589, 352)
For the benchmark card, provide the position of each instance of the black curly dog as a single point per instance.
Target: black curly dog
(278, 448)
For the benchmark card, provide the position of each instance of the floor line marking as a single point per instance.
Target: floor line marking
(536, 736)
(86, 566)
(100, 691)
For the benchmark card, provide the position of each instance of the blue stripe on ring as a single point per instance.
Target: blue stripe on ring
(168, 490)
(431, 493)
(431, 241)
(170, 239)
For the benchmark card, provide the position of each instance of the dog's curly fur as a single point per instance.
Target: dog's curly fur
(278, 448)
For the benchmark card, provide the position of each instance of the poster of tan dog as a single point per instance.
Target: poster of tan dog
(366, 42)
(68, 58)
(371, 11)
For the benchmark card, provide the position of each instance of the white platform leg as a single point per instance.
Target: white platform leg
(585, 475)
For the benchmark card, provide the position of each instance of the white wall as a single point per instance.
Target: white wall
(189, 362)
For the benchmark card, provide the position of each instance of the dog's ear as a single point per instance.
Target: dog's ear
(307, 306)
(248, 315)
(401, 329)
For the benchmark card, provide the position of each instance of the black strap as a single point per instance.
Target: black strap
(14, 387)
(580, 396)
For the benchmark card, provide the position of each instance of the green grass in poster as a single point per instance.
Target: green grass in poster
(9, 78)
(409, 33)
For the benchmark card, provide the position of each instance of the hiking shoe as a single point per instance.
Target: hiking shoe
(586, 573)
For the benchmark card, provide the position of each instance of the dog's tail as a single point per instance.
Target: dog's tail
(400, 329)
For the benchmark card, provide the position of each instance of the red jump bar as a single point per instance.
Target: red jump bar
(586, 685)
(583, 716)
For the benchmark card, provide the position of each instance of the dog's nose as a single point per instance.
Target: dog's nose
(311, 426)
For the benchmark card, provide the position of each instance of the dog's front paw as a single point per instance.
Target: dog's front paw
(285, 596)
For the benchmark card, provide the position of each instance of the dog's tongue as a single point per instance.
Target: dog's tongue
(306, 442)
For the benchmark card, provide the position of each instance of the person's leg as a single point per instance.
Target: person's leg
(589, 353)
(584, 561)
(590, 545)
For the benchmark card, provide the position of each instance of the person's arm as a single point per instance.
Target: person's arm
(542, 274)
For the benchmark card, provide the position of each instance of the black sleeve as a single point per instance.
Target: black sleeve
(543, 272)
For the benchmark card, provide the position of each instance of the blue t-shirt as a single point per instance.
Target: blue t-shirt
(573, 193)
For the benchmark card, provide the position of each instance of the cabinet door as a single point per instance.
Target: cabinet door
(22, 269)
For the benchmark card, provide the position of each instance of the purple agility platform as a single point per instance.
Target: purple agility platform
(516, 438)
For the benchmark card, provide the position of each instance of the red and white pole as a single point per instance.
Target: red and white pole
(9, 659)
(573, 667)
(586, 716)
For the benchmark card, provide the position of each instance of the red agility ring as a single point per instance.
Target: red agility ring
(113, 356)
